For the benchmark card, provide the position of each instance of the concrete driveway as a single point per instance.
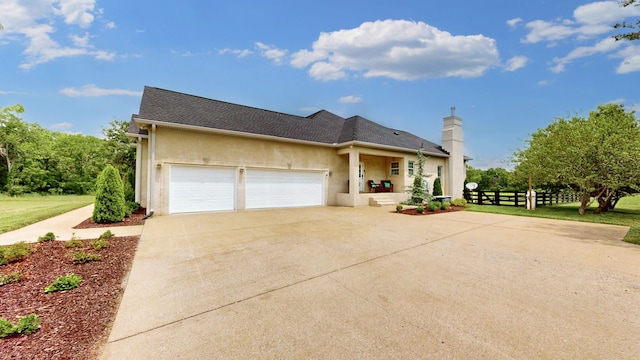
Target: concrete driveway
(343, 283)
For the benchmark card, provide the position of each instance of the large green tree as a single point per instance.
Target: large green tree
(633, 28)
(493, 179)
(12, 131)
(596, 157)
(34, 159)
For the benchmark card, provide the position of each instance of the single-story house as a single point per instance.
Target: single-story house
(197, 155)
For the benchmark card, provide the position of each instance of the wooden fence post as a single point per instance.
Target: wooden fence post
(496, 197)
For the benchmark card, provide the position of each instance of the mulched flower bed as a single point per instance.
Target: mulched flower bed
(74, 323)
(134, 219)
(427, 212)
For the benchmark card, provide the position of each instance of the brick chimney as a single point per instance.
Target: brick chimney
(453, 143)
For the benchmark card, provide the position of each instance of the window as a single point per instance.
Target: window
(440, 172)
(410, 168)
(395, 168)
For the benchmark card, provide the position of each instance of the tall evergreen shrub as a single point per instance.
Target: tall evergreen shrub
(437, 187)
(419, 193)
(110, 205)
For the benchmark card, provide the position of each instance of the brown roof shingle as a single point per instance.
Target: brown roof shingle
(321, 127)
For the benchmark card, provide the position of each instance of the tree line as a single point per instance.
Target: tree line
(37, 160)
(596, 157)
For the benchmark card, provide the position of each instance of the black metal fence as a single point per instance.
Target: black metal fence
(517, 198)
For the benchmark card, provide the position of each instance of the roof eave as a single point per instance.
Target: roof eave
(229, 132)
(389, 147)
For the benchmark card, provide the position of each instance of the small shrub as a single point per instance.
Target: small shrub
(437, 187)
(445, 205)
(107, 235)
(81, 257)
(132, 207)
(26, 325)
(99, 244)
(15, 252)
(459, 202)
(6, 328)
(47, 237)
(73, 243)
(66, 282)
(420, 209)
(11, 277)
(434, 205)
(399, 207)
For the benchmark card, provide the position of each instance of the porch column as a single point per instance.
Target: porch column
(354, 178)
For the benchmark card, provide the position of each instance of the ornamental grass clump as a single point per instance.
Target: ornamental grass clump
(26, 325)
(12, 277)
(82, 257)
(47, 237)
(66, 282)
(110, 206)
(99, 244)
(15, 252)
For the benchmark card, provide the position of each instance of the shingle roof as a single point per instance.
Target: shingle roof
(322, 127)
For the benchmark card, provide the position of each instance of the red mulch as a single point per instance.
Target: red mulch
(427, 212)
(134, 219)
(75, 324)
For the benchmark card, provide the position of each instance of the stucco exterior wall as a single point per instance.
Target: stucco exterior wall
(177, 146)
(174, 146)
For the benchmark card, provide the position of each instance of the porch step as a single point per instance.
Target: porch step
(380, 199)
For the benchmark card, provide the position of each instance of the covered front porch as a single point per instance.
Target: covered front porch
(376, 177)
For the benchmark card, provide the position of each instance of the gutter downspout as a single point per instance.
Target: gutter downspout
(152, 173)
(138, 169)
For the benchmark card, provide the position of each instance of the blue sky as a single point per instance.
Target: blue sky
(509, 67)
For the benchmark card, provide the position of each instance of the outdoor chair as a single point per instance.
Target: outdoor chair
(373, 186)
(386, 186)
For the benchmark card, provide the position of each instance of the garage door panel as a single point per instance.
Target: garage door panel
(199, 189)
(273, 189)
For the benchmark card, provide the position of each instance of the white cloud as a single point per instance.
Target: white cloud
(37, 22)
(110, 25)
(3, 92)
(634, 107)
(81, 41)
(397, 49)
(630, 59)
(543, 83)
(61, 126)
(326, 71)
(93, 91)
(516, 62)
(351, 99)
(603, 46)
(272, 53)
(514, 22)
(589, 21)
(617, 101)
(591, 26)
(77, 12)
(239, 52)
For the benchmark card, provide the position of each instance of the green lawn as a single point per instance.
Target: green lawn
(16, 212)
(626, 213)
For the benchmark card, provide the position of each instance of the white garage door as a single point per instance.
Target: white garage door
(274, 189)
(200, 188)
